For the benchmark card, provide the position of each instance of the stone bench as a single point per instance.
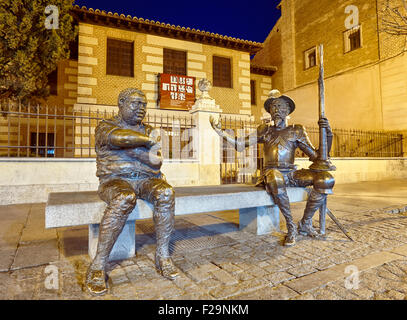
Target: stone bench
(257, 211)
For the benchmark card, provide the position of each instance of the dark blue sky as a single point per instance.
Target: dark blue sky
(248, 20)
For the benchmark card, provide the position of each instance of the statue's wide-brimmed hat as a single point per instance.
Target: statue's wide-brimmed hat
(274, 95)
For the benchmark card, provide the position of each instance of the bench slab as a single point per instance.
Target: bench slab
(257, 212)
(66, 209)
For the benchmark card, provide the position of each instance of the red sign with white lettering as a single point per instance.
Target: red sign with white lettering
(176, 92)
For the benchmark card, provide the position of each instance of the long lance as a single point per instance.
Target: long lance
(322, 163)
(340, 226)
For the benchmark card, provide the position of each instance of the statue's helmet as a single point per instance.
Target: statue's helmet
(274, 95)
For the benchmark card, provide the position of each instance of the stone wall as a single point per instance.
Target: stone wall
(30, 180)
(263, 86)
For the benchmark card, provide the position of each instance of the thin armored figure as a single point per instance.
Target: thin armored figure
(128, 167)
(280, 142)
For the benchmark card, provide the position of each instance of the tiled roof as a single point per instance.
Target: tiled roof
(102, 17)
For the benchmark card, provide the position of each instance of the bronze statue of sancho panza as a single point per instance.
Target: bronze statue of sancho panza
(128, 166)
(280, 142)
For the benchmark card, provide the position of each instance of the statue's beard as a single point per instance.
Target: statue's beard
(279, 121)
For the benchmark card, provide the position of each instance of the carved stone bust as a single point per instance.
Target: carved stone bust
(204, 85)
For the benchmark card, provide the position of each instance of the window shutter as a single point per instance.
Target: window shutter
(253, 92)
(352, 39)
(175, 62)
(222, 72)
(120, 59)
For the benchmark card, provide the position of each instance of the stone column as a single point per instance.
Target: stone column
(206, 140)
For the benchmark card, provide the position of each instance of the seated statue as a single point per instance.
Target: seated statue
(280, 142)
(128, 166)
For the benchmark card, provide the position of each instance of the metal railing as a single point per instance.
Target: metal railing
(65, 132)
(246, 167)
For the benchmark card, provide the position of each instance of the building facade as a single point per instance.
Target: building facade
(364, 67)
(114, 52)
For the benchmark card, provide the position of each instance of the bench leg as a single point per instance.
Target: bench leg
(125, 246)
(260, 220)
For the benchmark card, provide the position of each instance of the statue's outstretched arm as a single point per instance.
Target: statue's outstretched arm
(239, 144)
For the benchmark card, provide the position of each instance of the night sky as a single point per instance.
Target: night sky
(247, 20)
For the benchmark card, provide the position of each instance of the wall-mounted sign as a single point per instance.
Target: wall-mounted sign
(176, 92)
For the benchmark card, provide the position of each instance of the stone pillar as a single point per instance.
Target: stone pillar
(260, 220)
(124, 247)
(206, 140)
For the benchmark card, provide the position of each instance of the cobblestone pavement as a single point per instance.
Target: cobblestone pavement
(217, 261)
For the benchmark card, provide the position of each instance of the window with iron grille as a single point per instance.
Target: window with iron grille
(175, 62)
(310, 58)
(53, 82)
(352, 39)
(222, 76)
(120, 58)
(253, 92)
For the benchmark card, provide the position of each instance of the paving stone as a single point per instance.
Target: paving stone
(117, 280)
(256, 271)
(244, 276)
(198, 275)
(210, 283)
(170, 292)
(35, 254)
(193, 296)
(183, 282)
(305, 296)
(229, 267)
(323, 264)
(338, 288)
(337, 272)
(325, 294)
(7, 286)
(208, 267)
(275, 267)
(224, 277)
(364, 293)
(389, 295)
(301, 270)
(278, 277)
(276, 293)
(6, 258)
(224, 292)
(253, 285)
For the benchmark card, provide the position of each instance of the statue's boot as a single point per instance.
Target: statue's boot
(164, 209)
(166, 267)
(315, 201)
(96, 282)
(282, 201)
(113, 221)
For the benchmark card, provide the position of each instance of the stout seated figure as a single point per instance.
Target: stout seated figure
(128, 166)
(280, 142)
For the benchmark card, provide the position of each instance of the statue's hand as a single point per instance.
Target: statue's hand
(324, 123)
(216, 125)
